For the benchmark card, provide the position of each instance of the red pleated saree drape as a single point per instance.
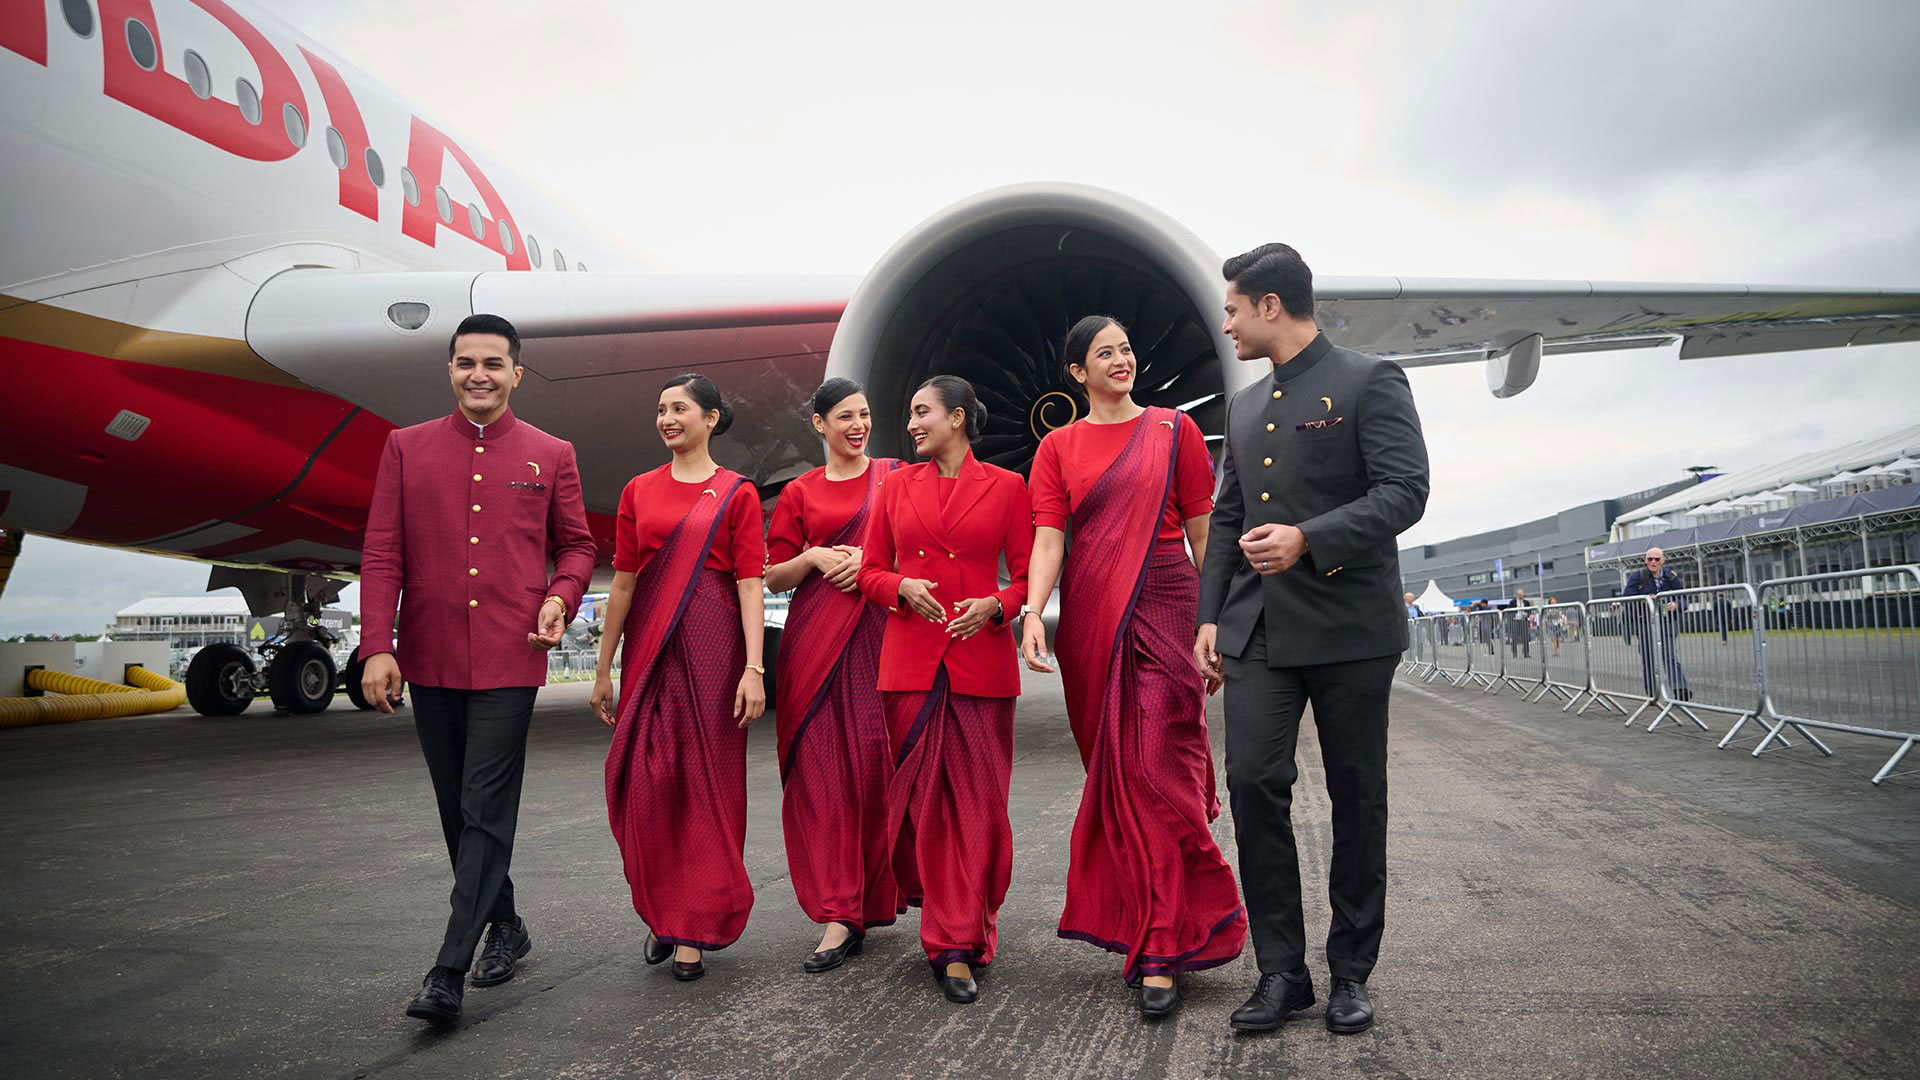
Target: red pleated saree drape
(832, 739)
(676, 770)
(1146, 878)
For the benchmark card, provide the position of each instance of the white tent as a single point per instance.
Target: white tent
(1433, 601)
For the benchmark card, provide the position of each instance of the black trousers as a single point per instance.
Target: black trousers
(475, 742)
(1263, 709)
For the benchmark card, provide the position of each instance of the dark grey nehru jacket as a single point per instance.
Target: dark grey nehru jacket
(1329, 443)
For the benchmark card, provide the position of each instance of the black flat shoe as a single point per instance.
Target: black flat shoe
(686, 972)
(1349, 1009)
(1274, 997)
(657, 950)
(506, 944)
(1158, 1002)
(959, 991)
(1134, 980)
(438, 1001)
(828, 959)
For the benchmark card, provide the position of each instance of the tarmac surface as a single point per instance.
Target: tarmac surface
(259, 896)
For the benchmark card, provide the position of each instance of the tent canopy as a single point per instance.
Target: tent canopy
(1433, 601)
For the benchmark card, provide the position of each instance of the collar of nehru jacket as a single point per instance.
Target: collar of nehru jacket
(459, 422)
(1316, 350)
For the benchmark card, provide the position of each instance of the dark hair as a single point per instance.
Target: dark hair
(1276, 269)
(833, 392)
(487, 324)
(1080, 341)
(955, 392)
(706, 395)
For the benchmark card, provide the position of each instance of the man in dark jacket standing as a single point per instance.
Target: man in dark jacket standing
(1324, 467)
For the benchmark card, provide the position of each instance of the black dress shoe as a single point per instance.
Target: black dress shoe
(506, 943)
(439, 998)
(1273, 998)
(657, 950)
(958, 990)
(828, 959)
(1349, 1010)
(1158, 1002)
(687, 972)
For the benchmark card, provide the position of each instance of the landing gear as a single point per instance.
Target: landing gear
(300, 677)
(220, 681)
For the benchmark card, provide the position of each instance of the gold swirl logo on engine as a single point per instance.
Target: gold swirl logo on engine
(1046, 414)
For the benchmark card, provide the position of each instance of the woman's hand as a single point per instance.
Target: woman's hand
(1033, 644)
(843, 575)
(917, 595)
(750, 699)
(973, 615)
(603, 699)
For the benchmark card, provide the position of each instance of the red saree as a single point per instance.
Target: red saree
(676, 770)
(834, 754)
(1146, 878)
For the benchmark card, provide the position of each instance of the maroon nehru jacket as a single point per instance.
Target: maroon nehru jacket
(463, 523)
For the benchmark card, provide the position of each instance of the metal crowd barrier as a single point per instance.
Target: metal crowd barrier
(1838, 651)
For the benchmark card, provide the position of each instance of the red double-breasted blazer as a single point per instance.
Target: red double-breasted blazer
(459, 535)
(958, 546)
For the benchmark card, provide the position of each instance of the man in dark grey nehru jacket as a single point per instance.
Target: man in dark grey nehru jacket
(1324, 467)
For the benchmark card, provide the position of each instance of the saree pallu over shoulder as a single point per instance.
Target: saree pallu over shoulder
(1146, 878)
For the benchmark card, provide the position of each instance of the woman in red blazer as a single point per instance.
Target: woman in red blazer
(948, 670)
(688, 558)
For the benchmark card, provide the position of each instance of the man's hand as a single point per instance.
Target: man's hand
(1206, 657)
(917, 595)
(548, 624)
(1272, 549)
(1672, 606)
(973, 615)
(380, 681)
(843, 574)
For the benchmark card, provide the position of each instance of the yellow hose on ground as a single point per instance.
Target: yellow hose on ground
(74, 697)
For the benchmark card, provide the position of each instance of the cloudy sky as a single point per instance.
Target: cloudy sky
(1720, 142)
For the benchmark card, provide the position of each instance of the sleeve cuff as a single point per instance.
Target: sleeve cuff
(1046, 519)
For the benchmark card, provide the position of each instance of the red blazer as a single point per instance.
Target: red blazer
(958, 548)
(462, 524)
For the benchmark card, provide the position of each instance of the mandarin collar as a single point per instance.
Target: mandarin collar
(1316, 350)
(495, 430)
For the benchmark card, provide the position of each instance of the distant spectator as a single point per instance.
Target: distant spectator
(1519, 630)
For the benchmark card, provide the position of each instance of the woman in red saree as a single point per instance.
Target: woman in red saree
(688, 558)
(1145, 878)
(948, 670)
(832, 723)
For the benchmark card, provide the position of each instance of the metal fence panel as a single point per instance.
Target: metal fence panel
(1452, 651)
(1620, 662)
(1563, 654)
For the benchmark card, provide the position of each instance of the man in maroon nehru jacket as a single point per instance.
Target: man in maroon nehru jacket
(467, 512)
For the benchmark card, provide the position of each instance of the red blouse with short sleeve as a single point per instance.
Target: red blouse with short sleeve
(1071, 459)
(812, 508)
(654, 503)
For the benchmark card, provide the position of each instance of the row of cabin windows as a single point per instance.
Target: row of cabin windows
(146, 52)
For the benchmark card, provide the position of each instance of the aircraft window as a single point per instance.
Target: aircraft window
(475, 222)
(141, 45)
(559, 260)
(443, 202)
(336, 148)
(79, 15)
(408, 185)
(533, 250)
(296, 125)
(506, 235)
(199, 79)
(249, 100)
(377, 170)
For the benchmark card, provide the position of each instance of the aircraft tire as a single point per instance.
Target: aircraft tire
(301, 677)
(212, 688)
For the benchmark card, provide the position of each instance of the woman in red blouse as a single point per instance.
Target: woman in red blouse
(1145, 877)
(948, 670)
(688, 558)
(834, 757)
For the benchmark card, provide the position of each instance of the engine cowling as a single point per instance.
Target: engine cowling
(987, 288)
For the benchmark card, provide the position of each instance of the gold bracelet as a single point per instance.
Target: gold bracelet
(757, 670)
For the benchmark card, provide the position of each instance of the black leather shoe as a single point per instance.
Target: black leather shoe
(959, 991)
(1349, 1010)
(686, 972)
(1134, 980)
(506, 943)
(1158, 1002)
(1273, 998)
(439, 998)
(828, 959)
(657, 950)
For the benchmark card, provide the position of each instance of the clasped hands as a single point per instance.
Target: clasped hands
(839, 564)
(972, 615)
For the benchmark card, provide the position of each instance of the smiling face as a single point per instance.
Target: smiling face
(682, 424)
(931, 425)
(1109, 368)
(846, 426)
(483, 373)
(1253, 325)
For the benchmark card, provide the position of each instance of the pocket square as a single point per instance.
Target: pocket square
(1315, 425)
(527, 485)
